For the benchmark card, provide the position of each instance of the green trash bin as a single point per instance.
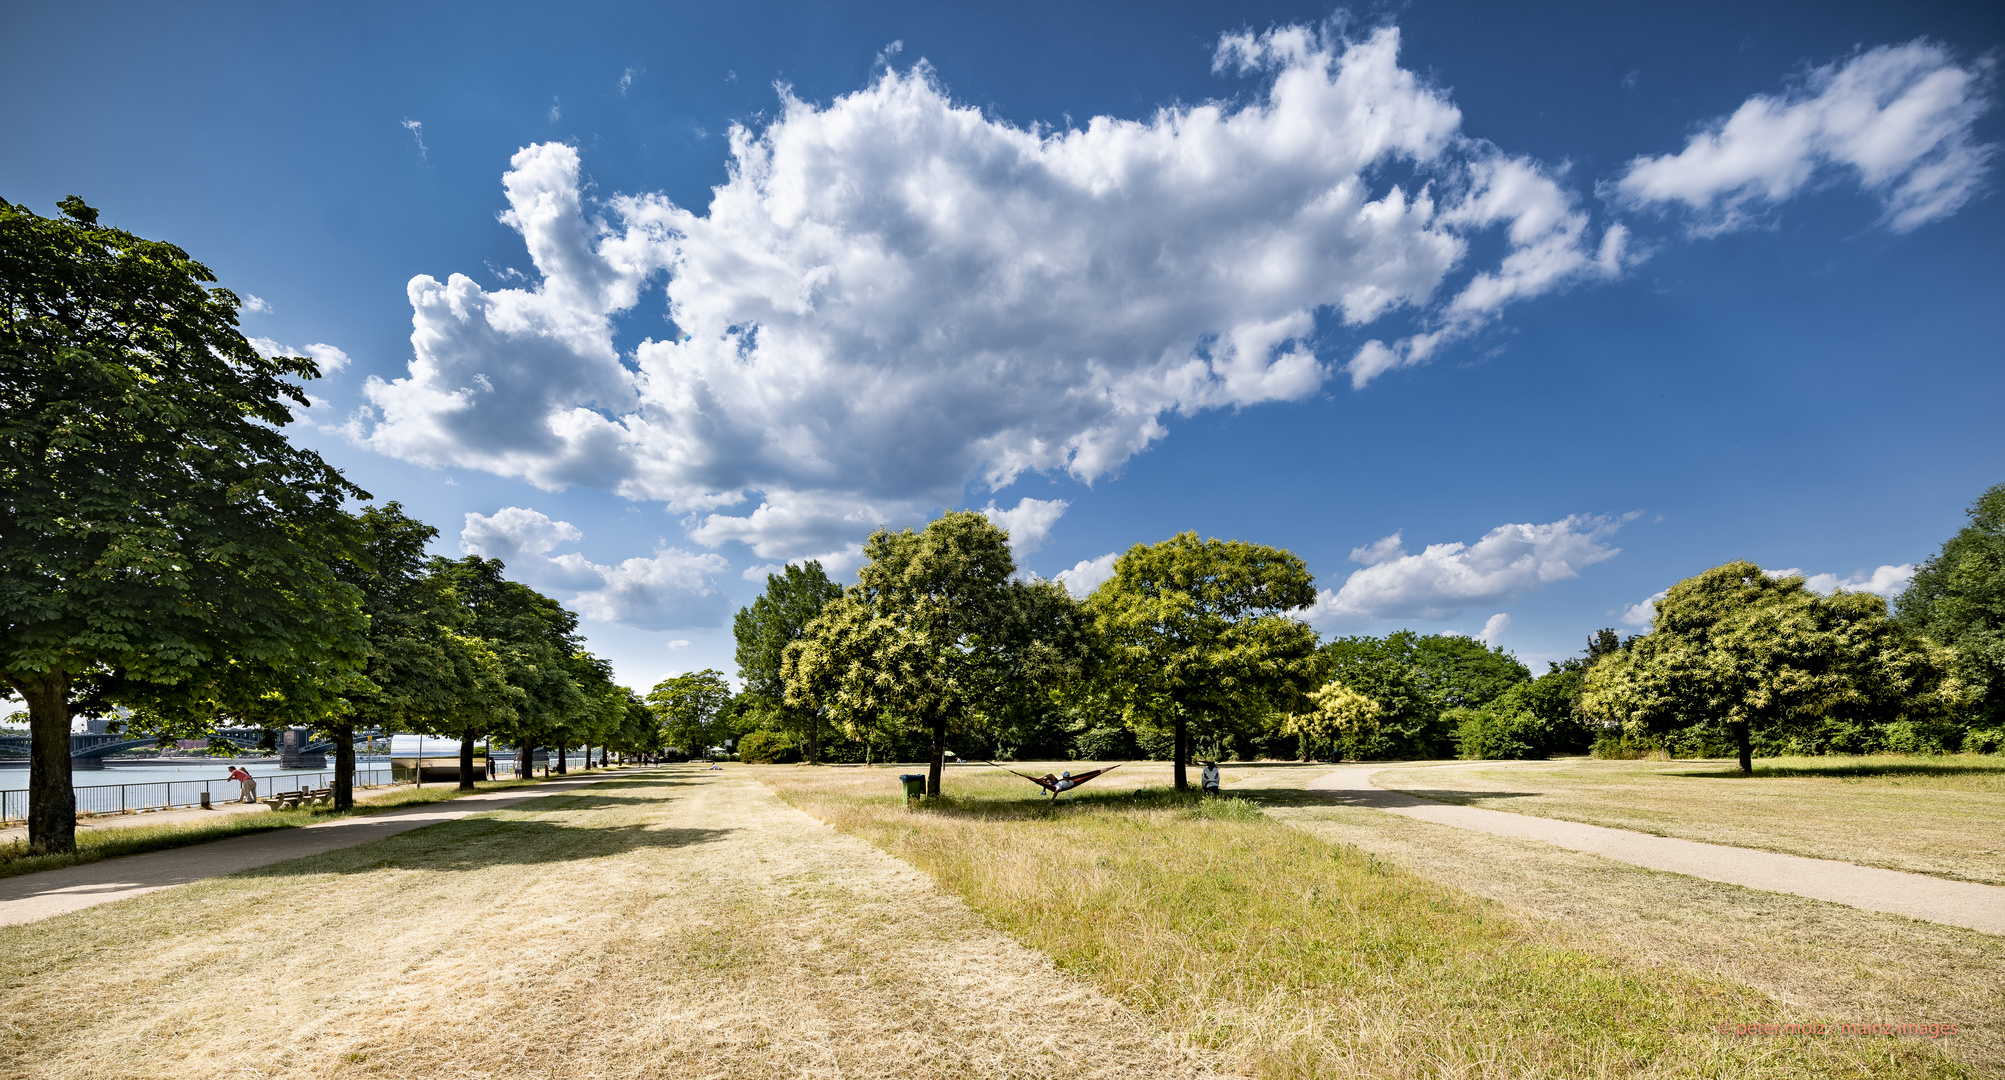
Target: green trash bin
(915, 785)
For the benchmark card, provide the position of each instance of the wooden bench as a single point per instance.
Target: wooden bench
(289, 800)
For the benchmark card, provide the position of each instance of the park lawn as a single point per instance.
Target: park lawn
(1827, 958)
(1288, 956)
(677, 922)
(1929, 815)
(94, 844)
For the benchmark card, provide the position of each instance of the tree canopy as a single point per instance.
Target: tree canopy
(1760, 657)
(688, 707)
(162, 543)
(1197, 630)
(535, 640)
(936, 632)
(1957, 599)
(778, 618)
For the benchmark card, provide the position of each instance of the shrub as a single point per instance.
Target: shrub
(1618, 745)
(1104, 743)
(1500, 733)
(767, 748)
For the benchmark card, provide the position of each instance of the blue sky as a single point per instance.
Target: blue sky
(1573, 301)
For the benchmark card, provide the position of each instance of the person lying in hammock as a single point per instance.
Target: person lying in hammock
(1064, 782)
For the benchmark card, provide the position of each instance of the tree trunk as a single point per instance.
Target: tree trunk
(939, 757)
(1182, 752)
(52, 802)
(814, 736)
(466, 760)
(563, 766)
(1746, 749)
(524, 766)
(344, 765)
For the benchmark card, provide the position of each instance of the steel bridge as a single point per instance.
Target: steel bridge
(88, 751)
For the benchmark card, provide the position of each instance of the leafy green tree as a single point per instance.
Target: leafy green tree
(535, 639)
(423, 674)
(1762, 658)
(1383, 669)
(936, 633)
(1336, 714)
(1195, 631)
(606, 704)
(1463, 673)
(162, 544)
(778, 618)
(1957, 599)
(688, 707)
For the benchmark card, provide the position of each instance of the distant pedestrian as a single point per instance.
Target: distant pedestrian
(1209, 778)
(249, 782)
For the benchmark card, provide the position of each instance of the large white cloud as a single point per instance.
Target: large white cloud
(1899, 117)
(1887, 581)
(669, 590)
(1028, 523)
(1087, 575)
(893, 295)
(1444, 579)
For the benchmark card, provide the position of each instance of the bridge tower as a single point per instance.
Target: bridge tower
(292, 752)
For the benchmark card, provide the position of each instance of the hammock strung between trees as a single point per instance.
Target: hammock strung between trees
(1057, 784)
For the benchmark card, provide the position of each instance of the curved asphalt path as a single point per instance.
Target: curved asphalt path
(1918, 896)
(54, 892)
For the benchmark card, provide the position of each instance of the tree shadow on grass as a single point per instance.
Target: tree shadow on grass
(594, 800)
(1847, 770)
(479, 843)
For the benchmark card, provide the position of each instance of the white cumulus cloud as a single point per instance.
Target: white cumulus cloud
(1898, 117)
(1443, 579)
(1887, 581)
(668, 590)
(1087, 575)
(1643, 613)
(330, 358)
(893, 295)
(1492, 627)
(1028, 523)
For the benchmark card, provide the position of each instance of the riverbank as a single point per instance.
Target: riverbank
(111, 836)
(677, 923)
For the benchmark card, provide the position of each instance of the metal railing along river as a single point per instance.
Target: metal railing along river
(165, 794)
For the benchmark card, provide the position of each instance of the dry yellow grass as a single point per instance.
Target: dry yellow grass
(682, 924)
(1290, 956)
(1943, 816)
(1813, 957)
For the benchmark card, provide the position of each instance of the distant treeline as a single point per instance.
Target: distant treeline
(1193, 649)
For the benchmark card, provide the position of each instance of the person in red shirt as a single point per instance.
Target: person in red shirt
(250, 783)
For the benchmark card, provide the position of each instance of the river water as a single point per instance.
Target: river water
(14, 775)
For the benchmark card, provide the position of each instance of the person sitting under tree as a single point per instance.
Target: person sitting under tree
(1209, 778)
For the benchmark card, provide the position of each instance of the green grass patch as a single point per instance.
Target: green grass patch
(1944, 772)
(1290, 956)
(106, 843)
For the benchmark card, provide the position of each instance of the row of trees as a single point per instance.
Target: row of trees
(1194, 648)
(169, 556)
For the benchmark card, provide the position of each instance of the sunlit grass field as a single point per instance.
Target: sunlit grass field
(1287, 955)
(1933, 815)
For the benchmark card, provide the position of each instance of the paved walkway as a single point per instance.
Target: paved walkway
(1954, 903)
(72, 888)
